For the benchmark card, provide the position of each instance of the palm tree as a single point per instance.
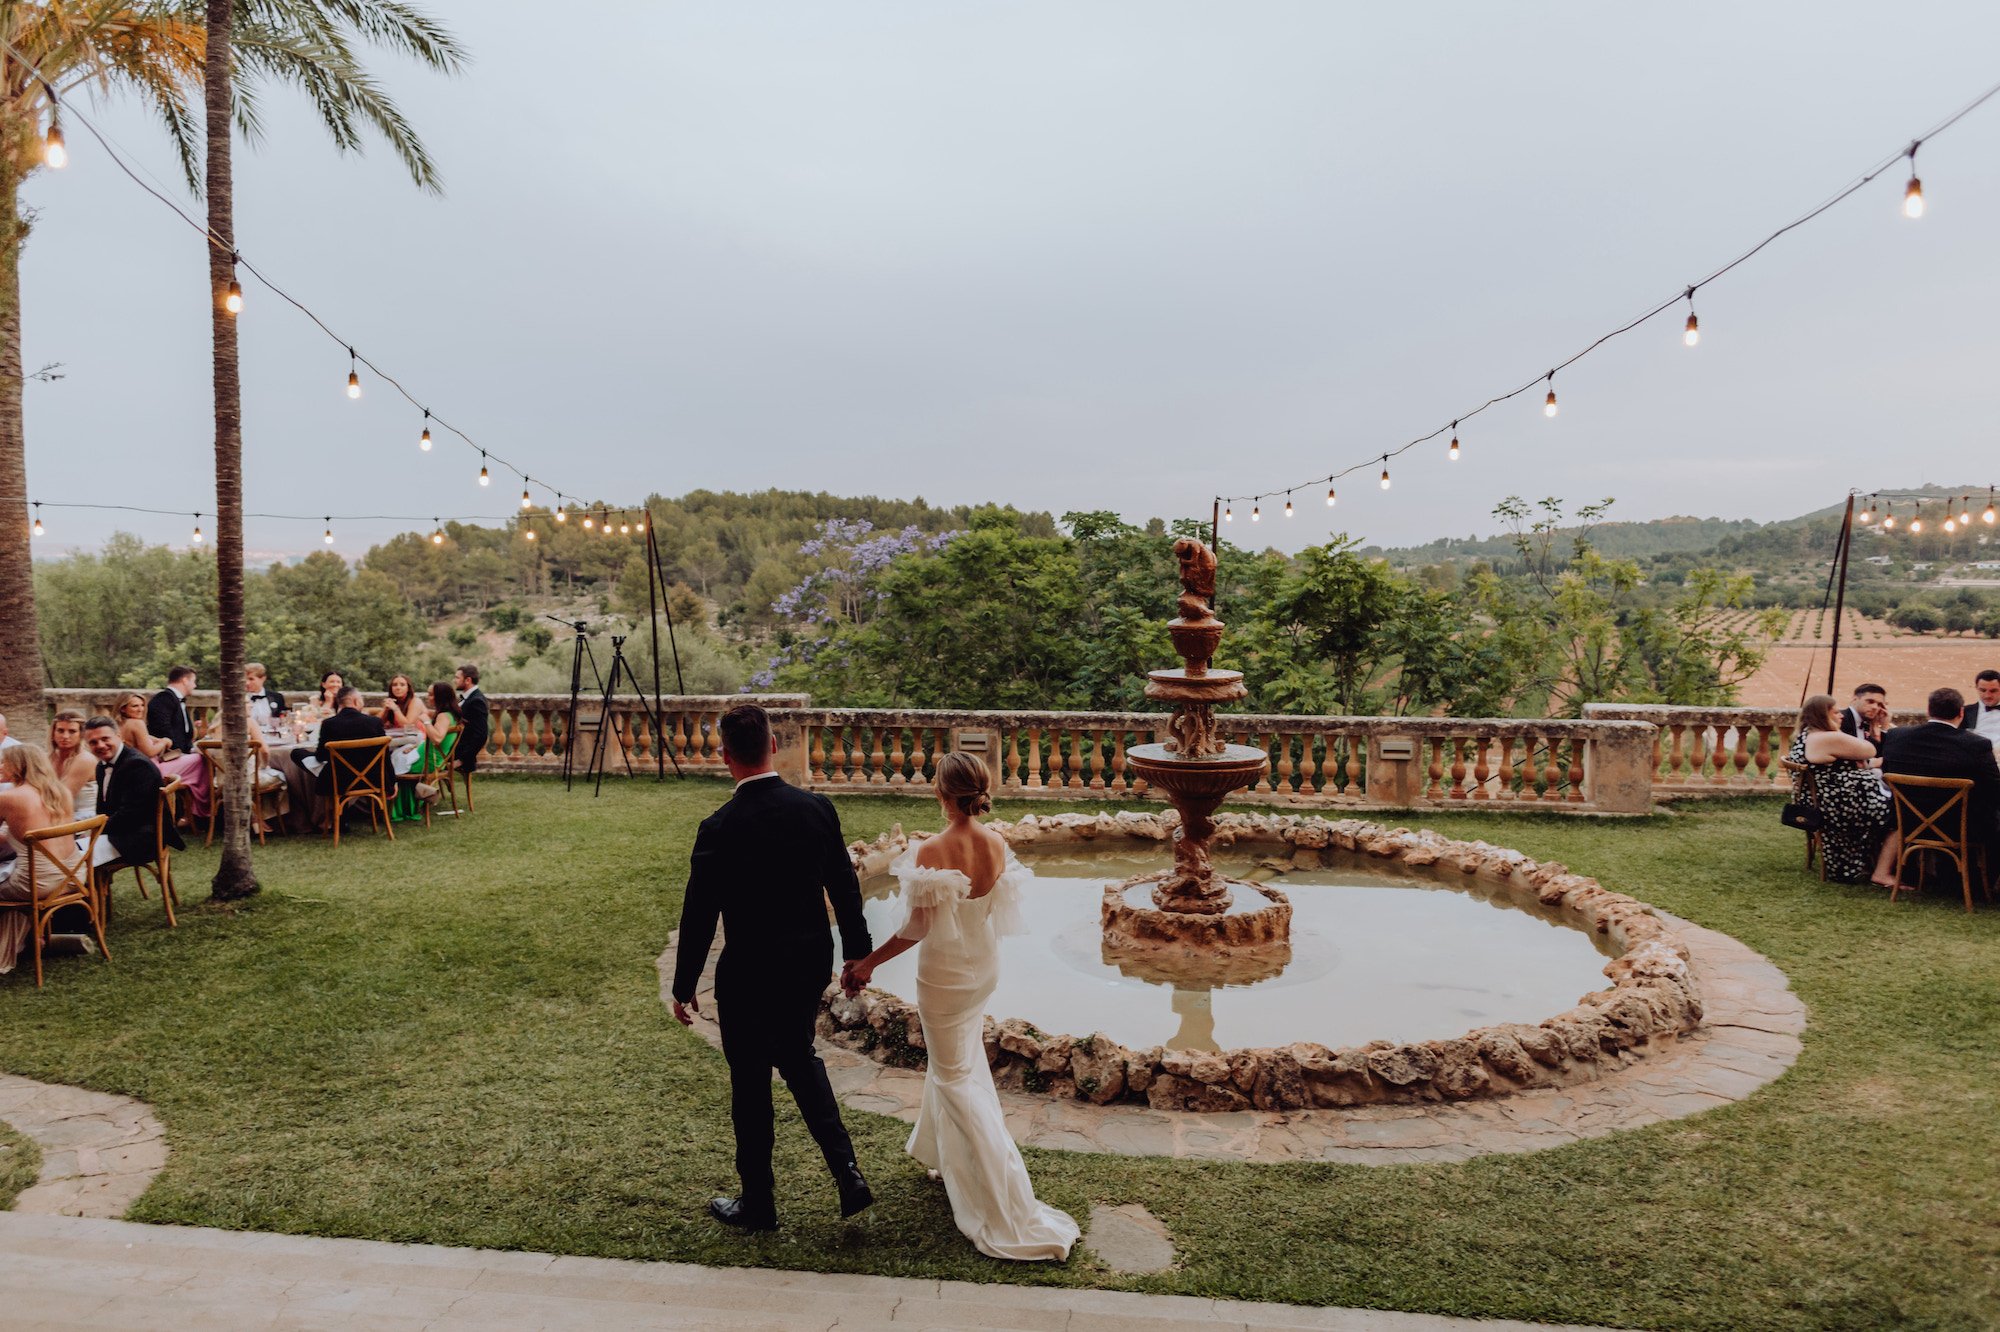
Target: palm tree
(308, 43)
(151, 50)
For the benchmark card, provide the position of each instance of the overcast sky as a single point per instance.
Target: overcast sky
(1067, 255)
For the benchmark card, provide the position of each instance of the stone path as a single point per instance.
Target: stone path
(67, 1272)
(99, 1152)
(1749, 1038)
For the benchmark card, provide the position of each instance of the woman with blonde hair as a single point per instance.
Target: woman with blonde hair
(1849, 794)
(192, 769)
(963, 890)
(37, 799)
(74, 767)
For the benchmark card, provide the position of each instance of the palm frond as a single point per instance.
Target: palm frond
(345, 96)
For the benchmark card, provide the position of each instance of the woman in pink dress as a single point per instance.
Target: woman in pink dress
(190, 768)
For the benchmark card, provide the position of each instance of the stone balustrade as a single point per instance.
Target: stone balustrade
(1716, 751)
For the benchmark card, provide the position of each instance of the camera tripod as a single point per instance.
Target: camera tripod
(579, 655)
(621, 668)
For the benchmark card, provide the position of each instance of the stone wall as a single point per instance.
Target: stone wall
(1652, 1000)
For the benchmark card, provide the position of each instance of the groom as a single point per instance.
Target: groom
(767, 862)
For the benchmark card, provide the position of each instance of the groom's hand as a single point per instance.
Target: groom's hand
(684, 1013)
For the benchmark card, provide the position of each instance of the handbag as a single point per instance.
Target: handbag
(1806, 818)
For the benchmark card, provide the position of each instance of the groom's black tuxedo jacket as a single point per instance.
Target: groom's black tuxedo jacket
(766, 863)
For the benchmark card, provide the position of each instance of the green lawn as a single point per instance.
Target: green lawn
(458, 1039)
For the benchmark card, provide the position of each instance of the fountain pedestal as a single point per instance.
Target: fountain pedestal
(1193, 910)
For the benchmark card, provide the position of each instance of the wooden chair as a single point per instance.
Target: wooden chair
(268, 789)
(439, 774)
(1942, 830)
(360, 772)
(162, 868)
(76, 889)
(1806, 786)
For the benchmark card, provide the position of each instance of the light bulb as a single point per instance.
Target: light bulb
(531, 534)
(353, 384)
(1288, 506)
(329, 536)
(1916, 526)
(1452, 452)
(1987, 517)
(1549, 403)
(1889, 519)
(53, 151)
(640, 525)
(437, 537)
(38, 520)
(561, 517)
(196, 538)
(1385, 476)
(526, 503)
(1693, 334)
(485, 477)
(1913, 199)
(233, 302)
(1329, 497)
(588, 521)
(1256, 514)
(1950, 524)
(1229, 515)
(424, 440)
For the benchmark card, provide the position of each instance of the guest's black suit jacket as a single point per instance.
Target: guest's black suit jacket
(167, 718)
(128, 796)
(1970, 721)
(347, 724)
(766, 864)
(473, 728)
(1940, 749)
(1850, 724)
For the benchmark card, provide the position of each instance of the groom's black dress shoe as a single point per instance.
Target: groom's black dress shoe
(854, 1193)
(743, 1215)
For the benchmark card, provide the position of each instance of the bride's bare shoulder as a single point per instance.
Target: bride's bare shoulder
(933, 854)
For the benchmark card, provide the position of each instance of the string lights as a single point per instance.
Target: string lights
(232, 299)
(1957, 513)
(353, 375)
(424, 440)
(627, 524)
(196, 538)
(54, 151)
(1913, 205)
(1385, 471)
(1330, 497)
(39, 529)
(1288, 505)
(485, 477)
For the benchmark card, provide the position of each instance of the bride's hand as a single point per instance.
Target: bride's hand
(854, 977)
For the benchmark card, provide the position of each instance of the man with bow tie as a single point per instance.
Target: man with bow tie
(266, 703)
(128, 795)
(167, 714)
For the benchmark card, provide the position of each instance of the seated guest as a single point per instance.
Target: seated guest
(330, 686)
(167, 714)
(190, 768)
(425, 757)
(128, 795)
(1853, 804)
(72, 764)
(30, 799)
(473, 718)
(266, 703)
(1938, 748)
(402, 708)
(1984, 715)
(6, 741)
(1867, 717)
(348, 722)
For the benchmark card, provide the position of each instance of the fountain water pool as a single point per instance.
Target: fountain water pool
(1376, 952)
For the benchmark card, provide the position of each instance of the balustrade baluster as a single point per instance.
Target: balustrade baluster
(1552, 775)
(1675, 763)
(895, 757)
(1121, 780)
(816, 769)
(1480, 770)
(838, 773)
(1434, 789)
(1457, 767)
(1697, 753)
(1034, 758)
(1741, 759)
(1282, 774)
(1012, 774)
(1307, 787)
(876, 776)
(1576, 770)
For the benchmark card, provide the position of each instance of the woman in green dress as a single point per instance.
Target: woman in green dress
(439, 731)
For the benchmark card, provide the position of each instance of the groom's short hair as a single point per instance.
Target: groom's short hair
(746, 733)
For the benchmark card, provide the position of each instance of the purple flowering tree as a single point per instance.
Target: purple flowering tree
(839, 593)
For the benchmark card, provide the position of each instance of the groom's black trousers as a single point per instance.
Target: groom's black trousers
(768, 1006)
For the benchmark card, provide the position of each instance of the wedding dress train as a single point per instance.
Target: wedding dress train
(960, 1131)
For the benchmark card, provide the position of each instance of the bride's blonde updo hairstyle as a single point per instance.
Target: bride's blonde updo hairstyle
(963, 782)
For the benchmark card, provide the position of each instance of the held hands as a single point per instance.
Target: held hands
(854, 976)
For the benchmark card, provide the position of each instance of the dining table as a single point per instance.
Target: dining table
(298, 732)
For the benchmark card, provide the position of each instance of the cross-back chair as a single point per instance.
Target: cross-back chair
(265, 800)
(360, 774)
(76, 889)
(162, 866)
(1805, 788)
(438, 773)
(1941, 829)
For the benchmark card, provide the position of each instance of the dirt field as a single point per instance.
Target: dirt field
(1908, 666)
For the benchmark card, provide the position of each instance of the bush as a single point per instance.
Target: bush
(504, 617)
(1917, 618)
(463, 637)
(534, 638)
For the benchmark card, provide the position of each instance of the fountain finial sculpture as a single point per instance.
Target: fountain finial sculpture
(1192, 906)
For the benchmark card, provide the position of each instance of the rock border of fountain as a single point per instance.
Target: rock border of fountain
(1652, 1001)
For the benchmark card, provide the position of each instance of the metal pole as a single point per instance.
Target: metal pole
(653, 628)
(1215, 548)
(1840, 555)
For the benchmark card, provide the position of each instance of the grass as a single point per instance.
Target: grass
(459, 1039)
(20, 1163)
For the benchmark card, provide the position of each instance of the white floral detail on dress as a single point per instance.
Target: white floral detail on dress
(938, 902)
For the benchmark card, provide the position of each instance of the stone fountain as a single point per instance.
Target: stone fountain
(1189, 920)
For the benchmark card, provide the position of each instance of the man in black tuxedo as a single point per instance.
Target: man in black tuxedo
(167, 712)
(1983, 715)
(128, 796)
(767, 862)
(473, 718)
(1938, 748)
(1867, 717)
(348, 722)
(257, 682)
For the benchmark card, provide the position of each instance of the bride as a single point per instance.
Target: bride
(962, 888)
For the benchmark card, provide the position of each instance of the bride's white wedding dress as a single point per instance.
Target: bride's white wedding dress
(960, 1130)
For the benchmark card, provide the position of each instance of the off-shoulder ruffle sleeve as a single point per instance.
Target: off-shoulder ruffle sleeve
(931, 898)
(1004, 900)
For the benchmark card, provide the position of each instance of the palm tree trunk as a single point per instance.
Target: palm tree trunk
(21, 662)
(234, 878)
